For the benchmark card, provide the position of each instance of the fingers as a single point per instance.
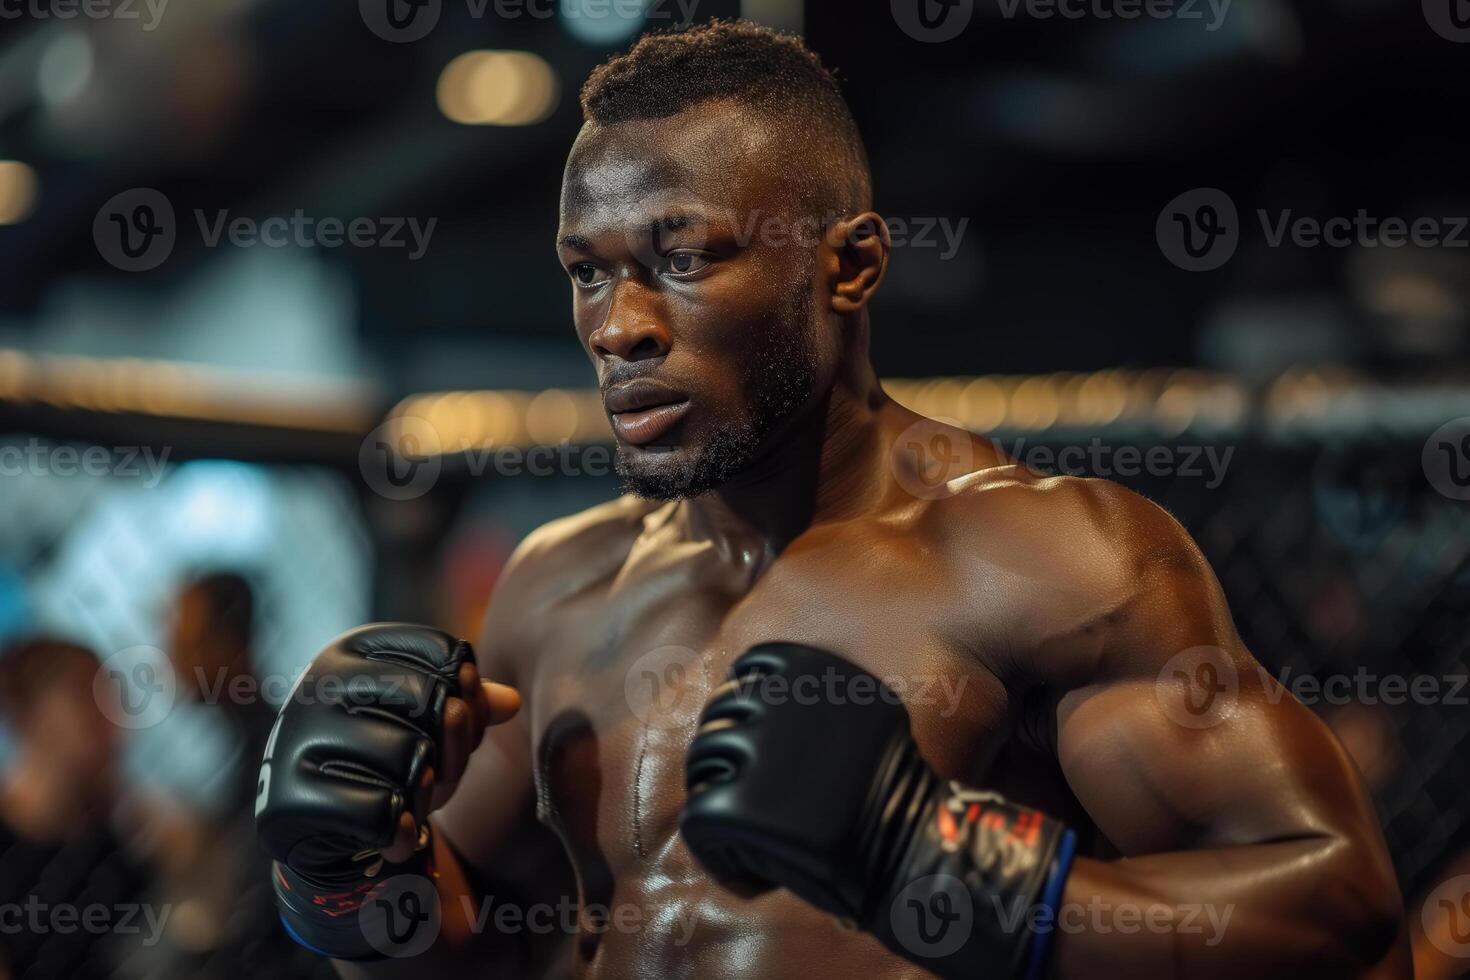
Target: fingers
(406, 838)
(492, 703)
(500, 702)
(465, 720)
(469, 683)
(464, 729)
(459, 739)
(404, 841)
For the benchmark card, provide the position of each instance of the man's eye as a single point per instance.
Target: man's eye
(586, 274)
(687, 263)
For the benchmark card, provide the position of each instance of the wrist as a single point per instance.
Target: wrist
(975, 890)
(322, 910)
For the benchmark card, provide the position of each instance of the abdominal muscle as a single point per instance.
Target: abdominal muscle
(687, 926)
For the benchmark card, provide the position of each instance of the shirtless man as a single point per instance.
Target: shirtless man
(1033, 628)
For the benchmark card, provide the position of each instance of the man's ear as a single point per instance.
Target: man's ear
(862, 244)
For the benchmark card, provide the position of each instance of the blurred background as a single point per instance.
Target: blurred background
(284, 348)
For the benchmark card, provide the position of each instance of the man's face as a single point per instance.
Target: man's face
(701, 321)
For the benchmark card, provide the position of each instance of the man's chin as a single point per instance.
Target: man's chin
(661, 472)
(680, 472)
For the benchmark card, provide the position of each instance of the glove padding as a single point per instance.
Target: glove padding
(804, 774)
(344, 760)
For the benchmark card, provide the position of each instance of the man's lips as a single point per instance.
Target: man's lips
(644, 410)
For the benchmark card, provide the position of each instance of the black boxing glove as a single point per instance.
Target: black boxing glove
(804, 774)
(343, 762)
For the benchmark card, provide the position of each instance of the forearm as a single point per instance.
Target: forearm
(1296, 908)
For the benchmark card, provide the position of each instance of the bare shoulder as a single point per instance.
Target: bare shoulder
(1100, 522)
(1067, 567)
(554, 562)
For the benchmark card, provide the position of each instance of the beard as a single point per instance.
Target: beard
(779, 381)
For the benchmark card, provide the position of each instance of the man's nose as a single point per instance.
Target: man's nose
(632, 329)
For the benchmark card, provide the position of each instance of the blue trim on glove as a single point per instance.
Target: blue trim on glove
(302, 942)
(1051, 896)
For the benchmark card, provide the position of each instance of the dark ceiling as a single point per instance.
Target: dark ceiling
(1059, 140)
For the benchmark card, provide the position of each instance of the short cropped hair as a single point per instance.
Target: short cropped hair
(773, 73)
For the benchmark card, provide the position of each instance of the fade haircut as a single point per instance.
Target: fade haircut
(772, 73)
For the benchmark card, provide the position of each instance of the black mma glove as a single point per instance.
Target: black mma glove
(345, 757)
(804, 774)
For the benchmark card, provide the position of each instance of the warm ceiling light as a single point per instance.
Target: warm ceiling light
(497, 88)
(18, 186)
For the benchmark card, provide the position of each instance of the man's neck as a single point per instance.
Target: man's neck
(828, 465)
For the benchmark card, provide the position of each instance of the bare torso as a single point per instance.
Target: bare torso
(643, 625)
(1031, 626)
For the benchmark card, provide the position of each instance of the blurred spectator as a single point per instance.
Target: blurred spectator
(59, 799)
(212, 872)
(210, 643)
